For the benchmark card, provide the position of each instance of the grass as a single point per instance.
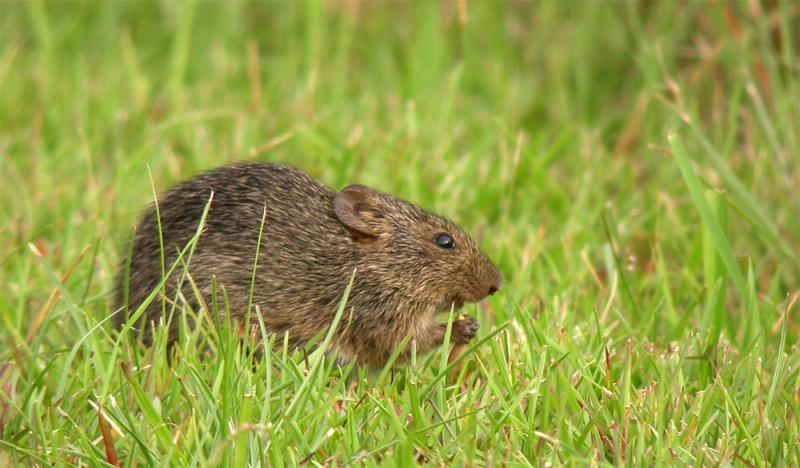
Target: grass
(633, 169)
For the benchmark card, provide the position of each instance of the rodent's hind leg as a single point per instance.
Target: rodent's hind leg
(340, 361)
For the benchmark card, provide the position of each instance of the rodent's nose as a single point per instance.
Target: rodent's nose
(494, 280)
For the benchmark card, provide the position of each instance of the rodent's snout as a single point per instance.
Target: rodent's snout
(494, 284)
(481, 287)
(490, 285)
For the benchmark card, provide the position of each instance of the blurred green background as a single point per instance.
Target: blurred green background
(539, 126)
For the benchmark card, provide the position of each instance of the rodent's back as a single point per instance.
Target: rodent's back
(300, 231)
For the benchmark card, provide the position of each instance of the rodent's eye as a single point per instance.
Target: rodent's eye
(444, 241)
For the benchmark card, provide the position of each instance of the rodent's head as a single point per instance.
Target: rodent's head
(415, 252)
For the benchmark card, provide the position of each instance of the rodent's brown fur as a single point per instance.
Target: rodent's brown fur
(313, 240)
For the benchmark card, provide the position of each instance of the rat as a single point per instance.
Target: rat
(406, 265)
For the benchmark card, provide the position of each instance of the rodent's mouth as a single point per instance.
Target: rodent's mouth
(456, 302)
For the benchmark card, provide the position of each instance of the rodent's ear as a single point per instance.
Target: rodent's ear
(356, 206)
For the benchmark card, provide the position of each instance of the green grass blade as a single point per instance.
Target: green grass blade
(718, 237)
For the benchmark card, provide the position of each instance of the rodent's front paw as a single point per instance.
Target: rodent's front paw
(464, 330)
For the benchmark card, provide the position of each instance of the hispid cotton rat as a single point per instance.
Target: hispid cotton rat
(409, 264)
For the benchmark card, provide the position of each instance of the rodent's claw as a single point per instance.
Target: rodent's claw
(464, 330)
